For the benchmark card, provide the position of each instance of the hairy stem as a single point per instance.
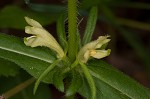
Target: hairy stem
(72, 29)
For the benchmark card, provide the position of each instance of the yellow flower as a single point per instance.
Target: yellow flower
(94, 49)
(41, 37)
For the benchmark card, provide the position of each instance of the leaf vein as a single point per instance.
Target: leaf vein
(26, 54)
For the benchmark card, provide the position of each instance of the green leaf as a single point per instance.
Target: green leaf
(46, 7)
(45, 73)
(85, 90)
(110, 81)
(91, 23)
(58, 80)
(103, 91)
(61, 32)
(61, 27)
(33, 60)
(75, 83)
(10, 82)
(8, 68)
(90, 80)
(13, 17)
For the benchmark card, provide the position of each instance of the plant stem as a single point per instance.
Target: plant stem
(72, 29)
(18, 88)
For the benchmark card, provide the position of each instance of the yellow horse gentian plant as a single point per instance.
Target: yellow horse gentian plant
(41, 37)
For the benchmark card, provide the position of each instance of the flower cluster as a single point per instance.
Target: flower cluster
(41, 37)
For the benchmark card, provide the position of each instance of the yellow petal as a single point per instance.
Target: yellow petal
(101, 41)
(98, 54)
(33, 22)
(86, 57)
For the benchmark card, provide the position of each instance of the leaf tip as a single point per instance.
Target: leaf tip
(36, 86)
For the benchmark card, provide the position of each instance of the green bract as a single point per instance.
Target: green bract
(94, 49)
(41, 37)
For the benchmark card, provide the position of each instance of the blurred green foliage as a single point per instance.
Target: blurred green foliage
(8, 68)
(13, 17)
(27, 93)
